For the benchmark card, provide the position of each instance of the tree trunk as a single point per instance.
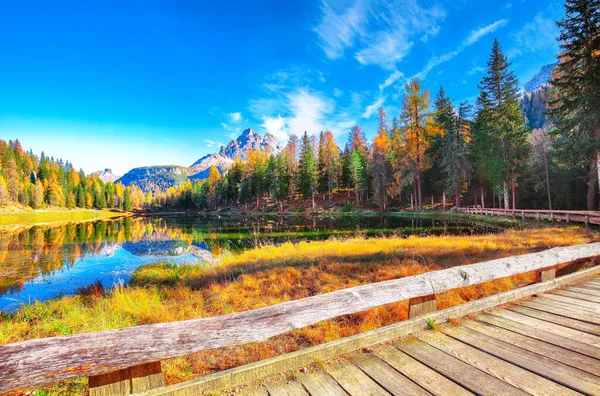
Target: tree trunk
(313, 199)
(444, 199)
(432, 202)
(419, 194)
(412, 203)
(506, 199)
(482, 197)
(593, 182)
(548, 181)
(598, 169)
(457, 197)
(513, 187)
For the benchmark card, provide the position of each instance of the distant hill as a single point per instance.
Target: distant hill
(152, 178)
(535, 96)
(106, 175)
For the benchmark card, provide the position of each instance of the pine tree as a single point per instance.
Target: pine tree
(380, 166)
(307, 170)
(501, 142)
(575, 110)
(127, 203)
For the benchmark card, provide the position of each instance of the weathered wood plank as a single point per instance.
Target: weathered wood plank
(498, 368)
(578, 296)
(549, 316)
(537, 347)
(589, 287)
(533, 332)
(320, 383)
(462, 373)
(575, 303)
(559, 330)
(388, 378)
(553, 370)
(572, 306)
(354, 381)
(289, 389)
(255, 392)
(424, 376)
(420, 306)
(582, 290)
(50, 360)
(563, 310)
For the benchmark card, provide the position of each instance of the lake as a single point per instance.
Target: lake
(42, 262)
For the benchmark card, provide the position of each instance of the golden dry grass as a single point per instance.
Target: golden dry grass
(273, 274)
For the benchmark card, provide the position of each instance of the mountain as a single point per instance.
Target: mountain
(535, 96)
(152, 178)
(541, 78)
(237, 148)
(106, 175)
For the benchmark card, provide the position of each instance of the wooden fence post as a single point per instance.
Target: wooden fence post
(545, 274)
(420, 306)
(127, 381)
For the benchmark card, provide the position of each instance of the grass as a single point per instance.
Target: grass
(10, 216)
(269, 275)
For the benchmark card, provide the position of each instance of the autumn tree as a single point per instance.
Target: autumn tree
(328, 165)
(418, 128)
(575, 111)
(380, 166)
(307, 170)
(214, 177)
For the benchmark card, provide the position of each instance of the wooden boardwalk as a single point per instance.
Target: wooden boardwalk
(544, 345)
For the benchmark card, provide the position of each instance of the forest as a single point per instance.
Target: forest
(433, 151)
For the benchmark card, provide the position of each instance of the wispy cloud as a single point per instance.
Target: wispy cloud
(477, 34)
(380, 32)
(233, 125)
(373, 107)
(337, 92)
(392, 78)
(235, 117)
(213, 143)
(474, 36)
(475, 70)
(539, 34)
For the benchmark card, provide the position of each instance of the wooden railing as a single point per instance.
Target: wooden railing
(128, 360)
(579, 216)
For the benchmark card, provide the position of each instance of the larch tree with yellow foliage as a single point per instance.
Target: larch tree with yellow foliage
(418, 127)
(380, 162)
(214, 177)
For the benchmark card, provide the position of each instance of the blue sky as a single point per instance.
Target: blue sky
(130, 83)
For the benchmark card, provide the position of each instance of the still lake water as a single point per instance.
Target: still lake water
(43, 262)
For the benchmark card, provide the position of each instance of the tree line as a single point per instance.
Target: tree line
(432, 151)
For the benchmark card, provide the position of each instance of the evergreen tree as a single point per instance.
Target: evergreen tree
(127, 203)
(575, 110)
(501, 141)
(380, 167)
(307, 170)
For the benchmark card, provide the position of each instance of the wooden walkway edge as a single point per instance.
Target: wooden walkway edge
(248, 373)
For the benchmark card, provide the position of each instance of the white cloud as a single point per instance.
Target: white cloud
(235, 117)
(338, 30)
(213, 143)
(373, 107)
(474, 37)
(476, 70)
(381, 32)
(337, 92)
(392, 78)
(537, 35)
(477, 34)
(276, 126)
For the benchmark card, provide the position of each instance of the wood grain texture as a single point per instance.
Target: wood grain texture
(387, 377)
(579, 296)
(549, 316)
(49, 360)
(420, 306)
(320, 383)
(542, 366)
(462, 373)
(289, 389)
(418, 372)
(354, 381)
(560, 309)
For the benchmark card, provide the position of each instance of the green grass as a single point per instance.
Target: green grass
(55, 215)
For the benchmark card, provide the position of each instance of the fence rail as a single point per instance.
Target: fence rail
(118, 354)
(578, 216)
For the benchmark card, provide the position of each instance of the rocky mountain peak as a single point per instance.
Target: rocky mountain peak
(541, 78)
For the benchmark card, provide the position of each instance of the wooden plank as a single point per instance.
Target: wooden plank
(424, 376)
(462, 373)
(135, 379)
(587, 305)
(554, 318)
(388, 378)
(559, 330)
(533, 332)
(590, 286)
(49, 360)
(420, 306)
(582, 290)
(498, 368)
(551, 369)
(320, 383)
(537, 347)
(571, 306)
(234, 377)
(578, 296)
(560, 309)
(354, 381)
(289, 389)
